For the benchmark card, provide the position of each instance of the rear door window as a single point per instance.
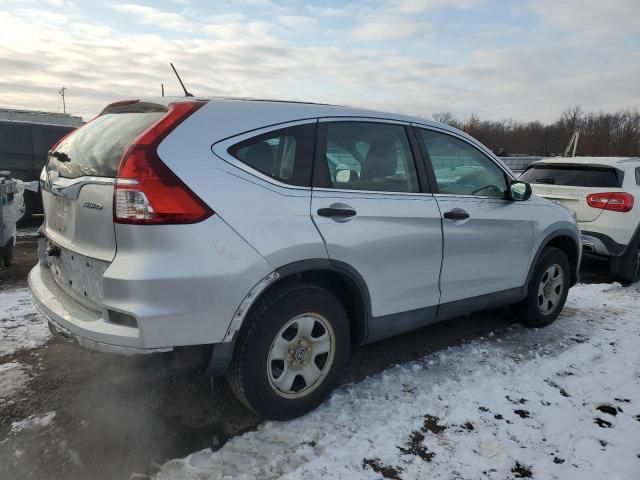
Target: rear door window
(286, 155)
(97, 148)
(578, 176)
(370, 156)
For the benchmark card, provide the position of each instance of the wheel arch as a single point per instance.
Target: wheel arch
(565, 240)
(339, 278)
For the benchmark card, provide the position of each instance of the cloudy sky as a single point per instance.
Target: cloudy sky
(522, 59)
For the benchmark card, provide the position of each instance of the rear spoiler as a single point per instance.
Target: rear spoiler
(579, 166)
(571, 165)
(133, 106)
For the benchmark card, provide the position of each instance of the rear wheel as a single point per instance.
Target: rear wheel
(548, 289)
(626, 268)
(291, 352)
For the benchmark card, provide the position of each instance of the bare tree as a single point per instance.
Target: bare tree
(445, 117)
(602, 134)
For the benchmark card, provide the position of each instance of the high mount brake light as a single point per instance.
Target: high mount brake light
(614, 201)
(147, 191)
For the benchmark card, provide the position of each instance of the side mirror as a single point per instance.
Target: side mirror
(519, 191)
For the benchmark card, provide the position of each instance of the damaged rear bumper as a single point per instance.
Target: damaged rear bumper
(73, 322)
(67, 336)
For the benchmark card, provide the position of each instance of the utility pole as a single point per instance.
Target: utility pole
(572, 143)
(162, 88)
(545, 149)
(64, 105)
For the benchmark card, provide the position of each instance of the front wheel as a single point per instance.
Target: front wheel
(291, 352)
(548, 289)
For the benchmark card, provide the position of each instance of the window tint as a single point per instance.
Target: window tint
(285, 155)
(461, 169)
(573, 176)
(370, 156)
(16, 138)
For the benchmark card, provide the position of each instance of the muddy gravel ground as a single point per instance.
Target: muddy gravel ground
(121, 417)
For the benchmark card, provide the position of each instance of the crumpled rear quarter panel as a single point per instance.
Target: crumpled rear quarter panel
(183, 283)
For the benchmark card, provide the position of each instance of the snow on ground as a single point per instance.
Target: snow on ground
(13, 378)
(556, 403)
(20, 325)
(33, 422)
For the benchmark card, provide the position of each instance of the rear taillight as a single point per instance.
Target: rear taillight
(614, 201)
(147, 191)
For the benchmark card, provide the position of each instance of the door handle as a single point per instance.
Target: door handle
(456, 214)
(336, 212)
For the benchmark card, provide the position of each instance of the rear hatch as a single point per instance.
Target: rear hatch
(78, 184)
(570, 184)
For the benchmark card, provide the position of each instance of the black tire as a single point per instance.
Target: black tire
(532, 308)
(250, 373)
(626, 268)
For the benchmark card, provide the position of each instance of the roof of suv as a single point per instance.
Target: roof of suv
(594, 161)
(309, 109)
(233, 116)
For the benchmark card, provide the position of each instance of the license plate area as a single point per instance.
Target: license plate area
(62, 218)
(78, 275)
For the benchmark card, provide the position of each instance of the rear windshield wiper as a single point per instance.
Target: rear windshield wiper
(550, 181)
(61, 156)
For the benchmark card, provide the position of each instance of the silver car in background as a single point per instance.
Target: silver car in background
(282, 234)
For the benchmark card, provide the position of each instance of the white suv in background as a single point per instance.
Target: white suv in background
(603, 194)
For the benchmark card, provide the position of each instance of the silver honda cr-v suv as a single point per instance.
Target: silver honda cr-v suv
(283, 233)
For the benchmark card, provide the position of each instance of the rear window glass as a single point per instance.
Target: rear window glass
(285, 155)
(96, 149)
(574, 176)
